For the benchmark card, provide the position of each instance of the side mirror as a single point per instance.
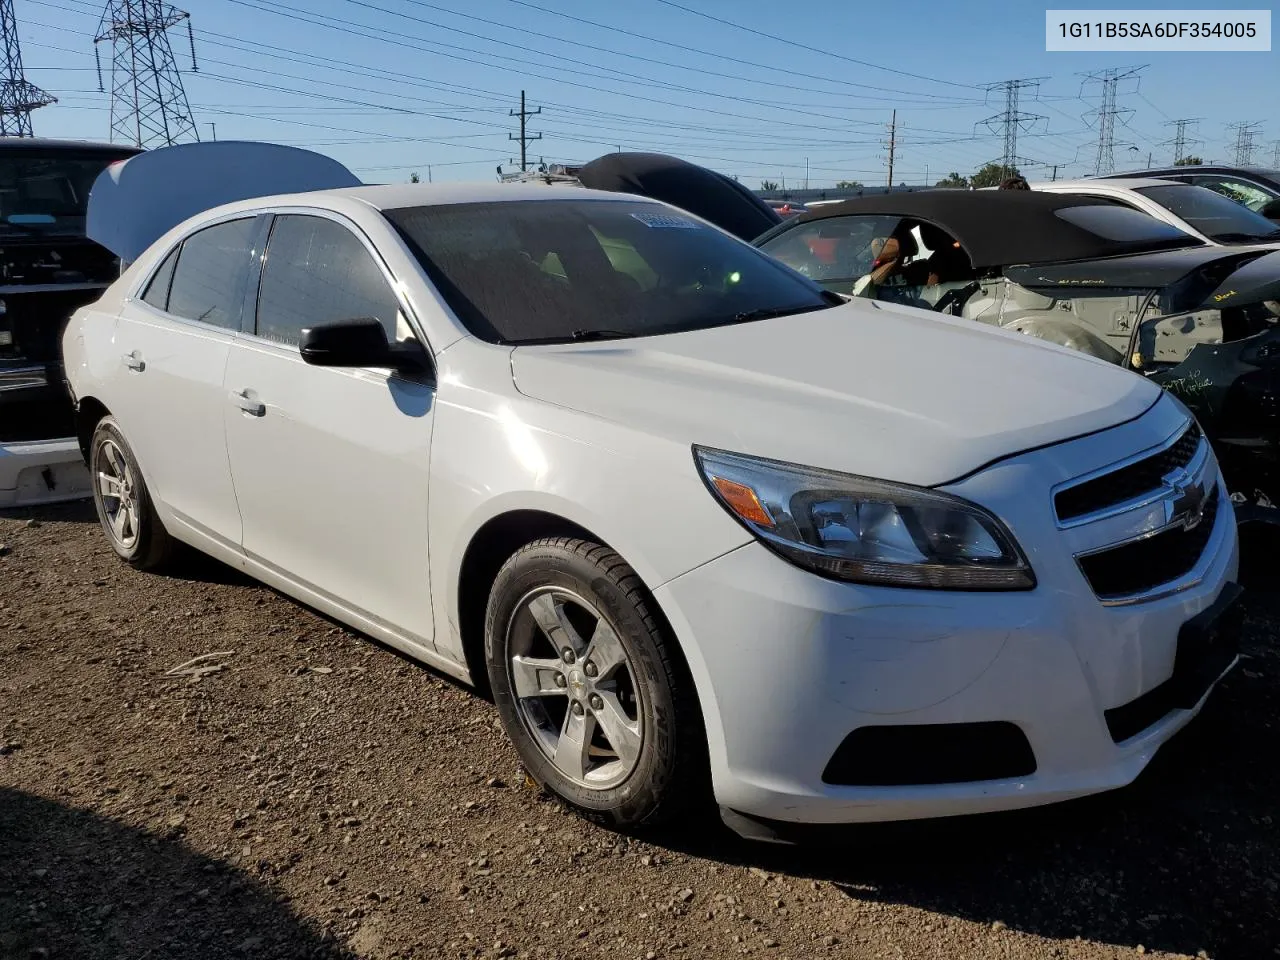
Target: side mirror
(1272, 210)
(361, 342)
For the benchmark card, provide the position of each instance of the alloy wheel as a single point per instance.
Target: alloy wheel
(117, 491)
(575, 688)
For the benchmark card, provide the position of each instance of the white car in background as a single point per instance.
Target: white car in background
(1199, 211)
(703, 528)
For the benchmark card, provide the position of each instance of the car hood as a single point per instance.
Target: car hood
(865, 388)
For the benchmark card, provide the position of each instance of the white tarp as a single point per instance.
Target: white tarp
(136, 201)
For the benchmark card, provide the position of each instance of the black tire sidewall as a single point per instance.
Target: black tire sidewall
(640, 796)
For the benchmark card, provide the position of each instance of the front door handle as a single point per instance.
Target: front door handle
(134, 361)
(255, 408)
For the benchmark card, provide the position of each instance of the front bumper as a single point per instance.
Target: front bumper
(791, 664)
(42, 471)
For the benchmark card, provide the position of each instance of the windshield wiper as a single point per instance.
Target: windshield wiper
(579, 336)
(769, 313)
(1246, 237)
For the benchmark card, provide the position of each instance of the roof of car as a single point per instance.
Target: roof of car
(996, 227)
(1123, 183)
(1269, 173)
(393, 196)
(37, 144)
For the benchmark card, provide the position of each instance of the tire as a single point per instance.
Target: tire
(640, 694)
(129, 521)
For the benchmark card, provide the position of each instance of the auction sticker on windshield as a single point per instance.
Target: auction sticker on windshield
(1158, 30)
(665, 221)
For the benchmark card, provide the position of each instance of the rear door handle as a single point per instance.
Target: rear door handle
(134, 361)
(255, 408)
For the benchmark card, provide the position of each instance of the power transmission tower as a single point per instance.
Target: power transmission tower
(148, 104)
(524, 138)
(1275, 157)
(1107, 111)
(18, 97)
(1180, 141)
(1011, 121)
(893, 144)
(1244, 140)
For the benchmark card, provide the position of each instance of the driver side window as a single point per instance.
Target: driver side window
(316, 270)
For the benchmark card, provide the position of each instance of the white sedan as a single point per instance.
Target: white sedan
(702, 528)
(1201, 212)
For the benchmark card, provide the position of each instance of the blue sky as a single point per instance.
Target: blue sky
(394, 86)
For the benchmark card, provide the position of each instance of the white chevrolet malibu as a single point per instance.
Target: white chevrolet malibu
(702, 528)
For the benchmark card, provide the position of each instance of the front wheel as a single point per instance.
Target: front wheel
(589, 686)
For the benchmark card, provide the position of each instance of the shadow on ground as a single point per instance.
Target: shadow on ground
(1185, 859)
(76, 885)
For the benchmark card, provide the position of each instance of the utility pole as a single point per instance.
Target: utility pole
(213, 131)
(1012, 120)
(806, 173)
(1055, 171)
(1244, 140)
(18, 96)
(1180, 142)
(148, 104)
(524, 138)
(893, 144)
(1107, 111)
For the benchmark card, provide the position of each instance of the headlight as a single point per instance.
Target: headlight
(867, 531)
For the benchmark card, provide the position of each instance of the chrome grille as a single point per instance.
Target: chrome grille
(1127, 483)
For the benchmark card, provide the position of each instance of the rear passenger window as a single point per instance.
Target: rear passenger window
(318, 271)
(208, 282)
(158, 289)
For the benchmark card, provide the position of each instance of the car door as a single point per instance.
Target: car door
(330, 464)
(173, 342)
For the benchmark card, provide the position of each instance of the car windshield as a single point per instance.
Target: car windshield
(532, 271)
(46, 194)
(1214, 215)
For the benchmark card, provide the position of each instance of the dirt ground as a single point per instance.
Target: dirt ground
(322, 797)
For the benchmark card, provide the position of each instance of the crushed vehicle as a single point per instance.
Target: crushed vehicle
(642, 479)
(1083, 273)
(47, 268)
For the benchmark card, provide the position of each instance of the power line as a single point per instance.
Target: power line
(810, 47)
(526, 32)
(18, 96)
(148, 103)
(1012, 120)
(1107, 111)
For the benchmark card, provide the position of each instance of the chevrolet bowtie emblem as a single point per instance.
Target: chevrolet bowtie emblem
(1186, 507)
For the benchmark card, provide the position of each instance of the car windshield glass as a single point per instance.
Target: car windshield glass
(1214, 215)
(46, 194)
(579, 269)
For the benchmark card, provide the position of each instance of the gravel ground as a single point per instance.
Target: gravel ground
(320, 796)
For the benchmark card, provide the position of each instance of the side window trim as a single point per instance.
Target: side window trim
(275, 214)
(253, 283)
